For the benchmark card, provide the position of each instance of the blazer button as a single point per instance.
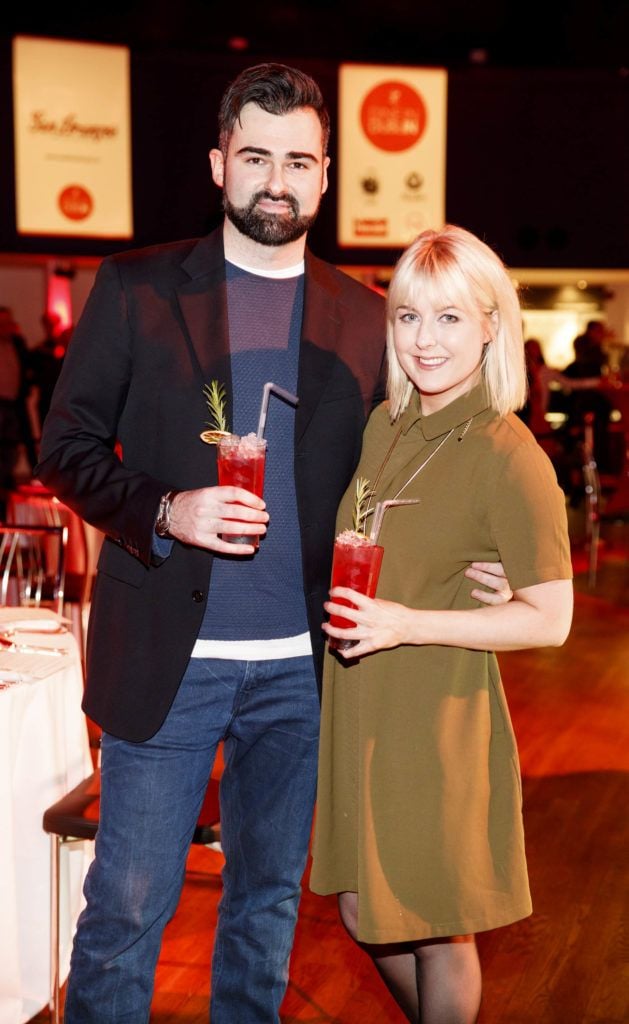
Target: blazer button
(197, 596)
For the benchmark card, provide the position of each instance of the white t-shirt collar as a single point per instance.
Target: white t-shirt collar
(294, 271)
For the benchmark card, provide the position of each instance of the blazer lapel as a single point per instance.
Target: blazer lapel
(203, 303)
(319, 338)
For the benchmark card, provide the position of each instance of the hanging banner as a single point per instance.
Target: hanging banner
(72, 138)
(392, 153)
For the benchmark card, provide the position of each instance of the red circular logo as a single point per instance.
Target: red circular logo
(393, 116)
(75, 202)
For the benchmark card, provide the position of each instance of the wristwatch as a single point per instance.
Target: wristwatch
(162, 523)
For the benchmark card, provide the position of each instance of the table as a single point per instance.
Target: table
(44, 752)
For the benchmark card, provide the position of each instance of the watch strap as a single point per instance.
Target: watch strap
(162, 522)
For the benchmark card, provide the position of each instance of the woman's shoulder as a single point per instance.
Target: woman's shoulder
(507, 433)
(517, 456)
(379, 419)
(510, 449)
(379, 431)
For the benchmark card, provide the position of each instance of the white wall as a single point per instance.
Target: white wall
(557, 328)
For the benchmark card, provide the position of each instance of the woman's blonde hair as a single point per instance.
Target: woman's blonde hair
(452, 267)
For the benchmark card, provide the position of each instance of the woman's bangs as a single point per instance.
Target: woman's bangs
(441, 287)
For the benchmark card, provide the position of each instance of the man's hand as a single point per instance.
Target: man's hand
(200, 517)
(492, 574)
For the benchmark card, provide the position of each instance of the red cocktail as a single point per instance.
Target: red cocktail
(240, 462)
(356, 564)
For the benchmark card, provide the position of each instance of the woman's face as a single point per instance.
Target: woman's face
(440, 350)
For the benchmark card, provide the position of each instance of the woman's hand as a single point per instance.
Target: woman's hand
(492, 574)
(538, 616)
(383, 624)
(379, 624)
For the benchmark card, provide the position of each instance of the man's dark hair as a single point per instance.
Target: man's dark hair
(275, 88)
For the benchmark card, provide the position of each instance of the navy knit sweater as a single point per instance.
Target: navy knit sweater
(261, 597)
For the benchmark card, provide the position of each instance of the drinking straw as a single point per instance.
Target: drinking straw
(268, 388)
(380, 509)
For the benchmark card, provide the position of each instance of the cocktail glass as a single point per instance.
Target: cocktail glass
(240, 462)
(356, 564)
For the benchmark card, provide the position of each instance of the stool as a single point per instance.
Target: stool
(73, 819)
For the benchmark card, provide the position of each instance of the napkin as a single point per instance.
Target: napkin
(10, 678)
(29, 666)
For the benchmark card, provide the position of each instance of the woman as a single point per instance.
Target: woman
(419, 825)
(539, 378)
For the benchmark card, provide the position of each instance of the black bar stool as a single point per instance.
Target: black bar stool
(73, 819)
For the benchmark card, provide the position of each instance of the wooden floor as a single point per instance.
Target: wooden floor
(569, 962)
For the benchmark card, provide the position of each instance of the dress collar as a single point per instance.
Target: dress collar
(453, 415)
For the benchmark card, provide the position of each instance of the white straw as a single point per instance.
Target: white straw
(268, 388)
(378, 515)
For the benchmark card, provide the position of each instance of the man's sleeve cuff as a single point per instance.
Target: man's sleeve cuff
(161, 547)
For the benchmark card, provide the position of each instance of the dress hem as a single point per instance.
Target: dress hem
(385, 936)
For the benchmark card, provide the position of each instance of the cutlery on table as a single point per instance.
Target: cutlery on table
(11, 645)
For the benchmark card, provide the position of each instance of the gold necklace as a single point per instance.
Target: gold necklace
(419, 469)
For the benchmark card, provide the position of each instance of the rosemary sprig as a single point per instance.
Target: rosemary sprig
(215, 396)
(361, 503)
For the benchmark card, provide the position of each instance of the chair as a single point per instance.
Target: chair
(592, 483)
(606, 495)
(33, 504)
(32, 565)
(73, 819)
(617, 486)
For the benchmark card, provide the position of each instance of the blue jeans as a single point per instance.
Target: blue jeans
(267, 712)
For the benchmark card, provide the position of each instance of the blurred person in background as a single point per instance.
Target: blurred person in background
(47, 360)
(540, 377)
(15, 429)
(590, 361)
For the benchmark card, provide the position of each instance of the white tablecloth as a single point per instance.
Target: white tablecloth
(44, 752)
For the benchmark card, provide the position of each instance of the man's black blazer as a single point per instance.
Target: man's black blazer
(153, 331)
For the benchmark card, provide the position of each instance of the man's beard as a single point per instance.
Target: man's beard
(268, 228)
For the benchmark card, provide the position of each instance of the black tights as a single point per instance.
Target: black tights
(435, 981)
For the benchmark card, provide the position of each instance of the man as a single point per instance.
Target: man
(193, 639)
(241, 308)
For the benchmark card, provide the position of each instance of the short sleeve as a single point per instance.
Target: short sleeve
(528, 519)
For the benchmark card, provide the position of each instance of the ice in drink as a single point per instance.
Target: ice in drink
(356, 564)
(240, 462)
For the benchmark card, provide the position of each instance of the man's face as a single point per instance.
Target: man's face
(273, 174)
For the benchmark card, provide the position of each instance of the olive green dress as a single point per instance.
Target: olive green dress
(419, 806)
